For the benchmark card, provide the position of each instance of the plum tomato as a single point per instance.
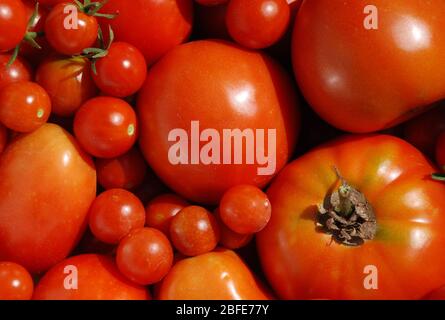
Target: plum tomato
(15, 282)
(13, 23)
(126, 171)
(121, 72)
(114, 213)
(144, 256)
(194, 231)
(105, 127)
(17, 71)
(257, 24)
(245, 209)
(229, 238)
(25, 106)
(161, 210)
(68, 83)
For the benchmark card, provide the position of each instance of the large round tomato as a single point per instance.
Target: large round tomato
(395, 247)
(217, 275)
(87, 277)
(152, 26)
(46, 187)
(218, 86)
(361, 79)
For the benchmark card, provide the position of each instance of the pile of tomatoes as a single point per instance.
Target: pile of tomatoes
(94, 94)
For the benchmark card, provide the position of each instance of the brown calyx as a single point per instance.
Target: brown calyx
(347, 215)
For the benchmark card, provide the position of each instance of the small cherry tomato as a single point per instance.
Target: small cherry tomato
(3, 137)
(15, 282)
(440, 151)
(17, 71)
(68, 83)
(161, 210)
(257, 24)
(105, 127)
(122, 71)
(145, 256)
(245, 209)
(25, 106)
(194, 231)
(114, 213)
(67, 36)
(230, 239)
(126, 171)
(13, 23)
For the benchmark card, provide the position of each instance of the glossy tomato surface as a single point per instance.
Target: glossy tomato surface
(46, 187)
(302, 261)
(15, 282)
(190, 84)
(360, 79)
(87, 277)
(13, 21)
(18, 71)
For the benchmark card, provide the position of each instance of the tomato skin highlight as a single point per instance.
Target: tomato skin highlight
(38, 200)
(18, 71)
(98, 279)
(13, 19)
(302, 262)
(15, 282)
(362, 80)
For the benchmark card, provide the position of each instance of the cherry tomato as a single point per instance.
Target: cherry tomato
(25, 106)
(194, 231)
(105, 127)
(211, 2)
(72, 40)
(47, 184)
(218, 275)
(114, 213)
(18, 71)
(257, 24)
(144, 256)
(440, 151)
(87, 277)
(68, 83)
(13, 23)
(15, 282)
(245, 209)
(122, 71)
(229, 238)
(189, 84)
(169, 24)
(126, 171)
(3, 137)
(161, 210)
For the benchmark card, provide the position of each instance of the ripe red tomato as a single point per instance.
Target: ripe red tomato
(3, 137)
(93, 276)
(440, 151)
(105, 127)
(121, 72)
(230, 279)
(25, 106)
(68, 83)
(250, 92)
(47, 184)
(18, 71)
(72, 40)
(363, 80)
(194, 231)
(51, 3)
(257, 24)
(15, 282)
(145, 256)
(169, 24)
(13, 23)
(228, 238)
(245, 209)
(409, 209)
(126, 171)
(114, 213)
(161, 210)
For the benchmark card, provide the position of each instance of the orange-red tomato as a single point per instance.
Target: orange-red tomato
(15, 282)
(218, 275)
(251, 92)
(302, 261)
(229, 238)
(12, 24)
(376, 70)
(18, 71)
(47, 184)
(87, 277)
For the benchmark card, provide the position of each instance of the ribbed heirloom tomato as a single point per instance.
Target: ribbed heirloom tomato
(360, 79)
(325, 241)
